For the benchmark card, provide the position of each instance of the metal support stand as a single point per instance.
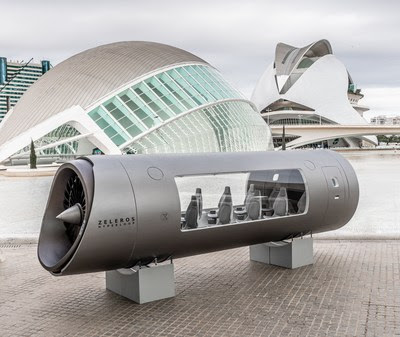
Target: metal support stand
(143, 285)
(294, 254)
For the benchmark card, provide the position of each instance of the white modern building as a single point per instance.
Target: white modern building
(354, 95)
(310, 85)
(132, 97)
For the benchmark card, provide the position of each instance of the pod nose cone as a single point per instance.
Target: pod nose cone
(72, 215)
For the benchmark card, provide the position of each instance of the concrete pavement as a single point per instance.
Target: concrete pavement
(353, 289)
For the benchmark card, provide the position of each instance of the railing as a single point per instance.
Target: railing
(45, 157)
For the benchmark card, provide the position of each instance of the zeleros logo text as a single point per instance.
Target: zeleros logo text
(117, 222)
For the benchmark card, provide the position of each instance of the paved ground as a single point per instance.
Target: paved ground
(353, 289)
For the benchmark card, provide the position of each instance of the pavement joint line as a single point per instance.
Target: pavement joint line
(351, 290)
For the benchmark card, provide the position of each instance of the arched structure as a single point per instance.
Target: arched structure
(308, 85)
(132, 97)
(314, 133)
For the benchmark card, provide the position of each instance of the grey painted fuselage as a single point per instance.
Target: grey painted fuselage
(133, 209)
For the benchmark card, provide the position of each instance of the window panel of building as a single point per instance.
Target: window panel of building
(228, 126)
(161, 97)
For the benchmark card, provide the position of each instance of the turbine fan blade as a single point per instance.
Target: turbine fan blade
(72, 215)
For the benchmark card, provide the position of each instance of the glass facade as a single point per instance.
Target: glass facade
(233, 198)
(158, 100)
(306, 62)
(225, 127)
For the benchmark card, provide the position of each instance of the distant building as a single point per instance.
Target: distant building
(15, 78)
(354, 95)
(385, 120)
(309, 85)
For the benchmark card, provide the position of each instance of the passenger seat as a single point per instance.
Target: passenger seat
(281, 205)
(301, 204)
(254, 206)
(249, 194)
(192, 213)
(273, 196)
(225, 207)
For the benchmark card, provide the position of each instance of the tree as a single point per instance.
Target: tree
(32, 157)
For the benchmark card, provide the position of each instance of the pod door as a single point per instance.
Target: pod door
(336, 194)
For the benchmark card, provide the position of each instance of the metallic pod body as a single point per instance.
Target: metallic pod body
(134, 208)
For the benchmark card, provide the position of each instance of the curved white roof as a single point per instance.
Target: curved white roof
(287, 57)
(322, 86)
(87, 77)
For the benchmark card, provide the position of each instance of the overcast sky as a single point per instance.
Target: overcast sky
(237, 37)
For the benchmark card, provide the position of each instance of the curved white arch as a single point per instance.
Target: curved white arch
(316, 133)
(77, 117)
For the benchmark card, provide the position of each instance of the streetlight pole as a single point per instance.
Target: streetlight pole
(283, 138)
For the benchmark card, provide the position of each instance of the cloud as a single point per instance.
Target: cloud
(382, 101)
(237, 37)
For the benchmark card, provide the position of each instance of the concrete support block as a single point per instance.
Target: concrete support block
(143, 285)
(295, 254)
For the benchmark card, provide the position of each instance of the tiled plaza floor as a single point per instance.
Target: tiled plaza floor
(353, 289)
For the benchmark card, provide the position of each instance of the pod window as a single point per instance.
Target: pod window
(234, 198)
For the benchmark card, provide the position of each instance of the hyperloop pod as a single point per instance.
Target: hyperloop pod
(112, 212)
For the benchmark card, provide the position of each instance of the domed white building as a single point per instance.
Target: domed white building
(309, 85)
(132, 97)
